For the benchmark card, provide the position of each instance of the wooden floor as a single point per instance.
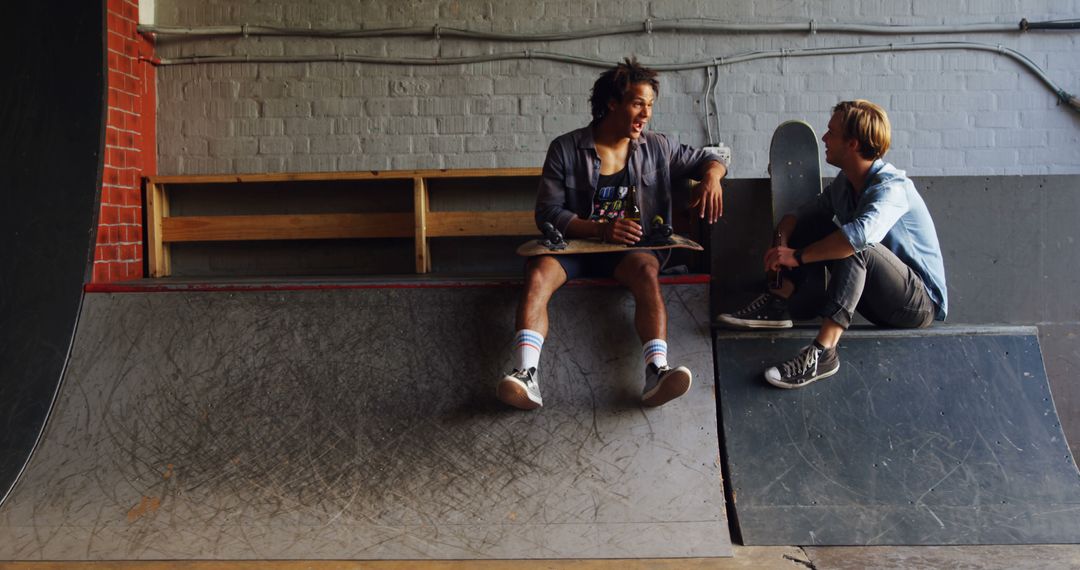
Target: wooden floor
(763, 558)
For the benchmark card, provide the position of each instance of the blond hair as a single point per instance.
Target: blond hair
(868, 124)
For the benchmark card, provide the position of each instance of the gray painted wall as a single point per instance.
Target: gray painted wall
(954, 113)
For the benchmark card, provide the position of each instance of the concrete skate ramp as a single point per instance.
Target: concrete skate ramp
(942, 436)
(362, 424)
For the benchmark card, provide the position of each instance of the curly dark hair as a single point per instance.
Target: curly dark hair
(614, 83)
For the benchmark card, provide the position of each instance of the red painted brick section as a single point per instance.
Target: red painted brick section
(129, 146)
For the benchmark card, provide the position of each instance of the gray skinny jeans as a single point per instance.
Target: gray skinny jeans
(873, 282)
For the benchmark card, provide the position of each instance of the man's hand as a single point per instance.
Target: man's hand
(780, 256)
(707, 198)
(832, 246)
(621, 231)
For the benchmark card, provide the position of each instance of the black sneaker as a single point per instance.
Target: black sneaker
(768, 311)
(520, 389)
(812, 364)
(664, 384)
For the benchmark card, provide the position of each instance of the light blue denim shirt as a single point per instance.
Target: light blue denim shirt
(890, 212)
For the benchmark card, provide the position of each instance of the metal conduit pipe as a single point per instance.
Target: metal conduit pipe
(716, 97)
(1062, 95)
(647, 26)
(709, 77)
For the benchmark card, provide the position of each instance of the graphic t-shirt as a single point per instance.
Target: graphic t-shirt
(609, 202)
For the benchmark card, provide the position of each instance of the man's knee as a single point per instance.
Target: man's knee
(640, 270)
(855, 264)
(544, 273)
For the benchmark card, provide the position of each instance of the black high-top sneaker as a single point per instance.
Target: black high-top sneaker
(813, 363)
(768, 311)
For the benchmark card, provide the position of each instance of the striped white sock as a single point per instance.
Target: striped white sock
(528, 345)
(655, 352)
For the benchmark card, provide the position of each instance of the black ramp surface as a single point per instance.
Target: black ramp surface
(362, 424)
(940, 436)
(51, 135)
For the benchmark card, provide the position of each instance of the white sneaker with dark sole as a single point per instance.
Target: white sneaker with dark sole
(664, 384)
(520, 389)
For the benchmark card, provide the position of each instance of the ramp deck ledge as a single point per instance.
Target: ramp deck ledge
(309, 284)
(875, 332)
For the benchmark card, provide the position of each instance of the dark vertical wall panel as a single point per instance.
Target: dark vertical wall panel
(51, 132)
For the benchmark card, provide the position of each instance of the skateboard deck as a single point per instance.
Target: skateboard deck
(794, 167)
(538, 247)
(795, 178)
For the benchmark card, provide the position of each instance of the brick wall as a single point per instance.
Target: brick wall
(954, 112)
(129, 147)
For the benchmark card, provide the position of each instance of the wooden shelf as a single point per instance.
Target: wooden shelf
(286, 227)
(421, 224)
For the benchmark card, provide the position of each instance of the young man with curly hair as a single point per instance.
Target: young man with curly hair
(586, 178)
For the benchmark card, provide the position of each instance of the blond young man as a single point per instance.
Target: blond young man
(882, 252)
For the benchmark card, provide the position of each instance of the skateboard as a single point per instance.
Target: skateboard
(794, 167)
(553, 243)
(795, 178)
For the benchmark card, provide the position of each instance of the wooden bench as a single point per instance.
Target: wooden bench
(421, 224)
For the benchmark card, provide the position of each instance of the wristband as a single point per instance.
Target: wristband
(798, 257)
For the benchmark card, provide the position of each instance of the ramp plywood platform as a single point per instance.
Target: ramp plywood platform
(362, 424)
(943, 436)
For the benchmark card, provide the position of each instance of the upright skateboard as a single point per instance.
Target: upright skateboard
(794, 167)
(795, 178)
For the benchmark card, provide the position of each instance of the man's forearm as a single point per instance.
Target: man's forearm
(784, 229)
(832, 246)
(584, 229)
(715, 170)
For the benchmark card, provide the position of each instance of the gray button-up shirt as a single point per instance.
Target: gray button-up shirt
(572, 171)
(891, 212)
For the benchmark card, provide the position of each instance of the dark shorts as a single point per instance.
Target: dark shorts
(596, 265)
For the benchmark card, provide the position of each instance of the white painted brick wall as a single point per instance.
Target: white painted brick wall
(953, 112)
